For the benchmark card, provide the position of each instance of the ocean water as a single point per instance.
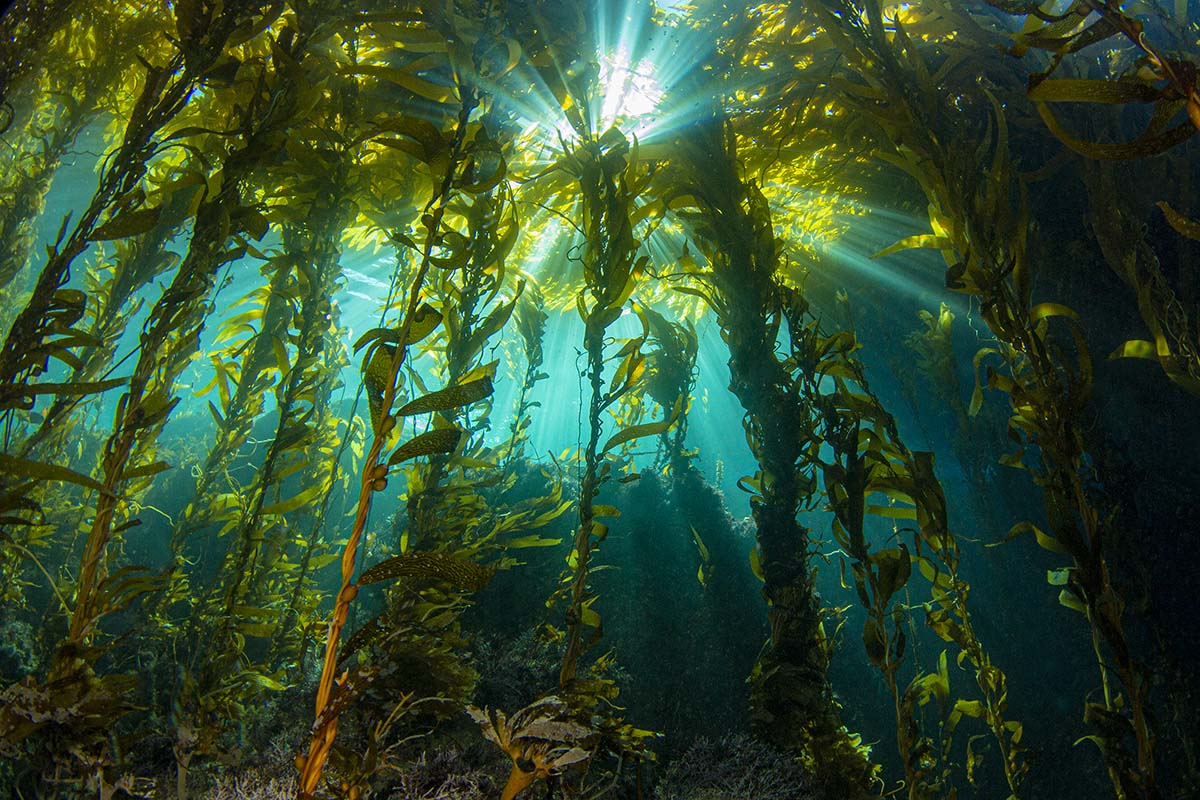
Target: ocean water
(553, 398)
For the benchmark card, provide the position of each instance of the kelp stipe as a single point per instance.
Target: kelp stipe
(792, 700)
(869, 458)
(239, 636)
(395, 345)
(116, 209)
(169, 338)
(980, 228)
(607, 182)
(463, 162)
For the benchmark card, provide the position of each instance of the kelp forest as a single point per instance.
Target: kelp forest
(628, 399)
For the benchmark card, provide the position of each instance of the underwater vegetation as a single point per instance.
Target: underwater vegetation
(461, 399)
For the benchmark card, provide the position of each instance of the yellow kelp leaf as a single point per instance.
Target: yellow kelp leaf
(418, 86)
(1045, 540)
(645, 429)
(704, 554)
(892, 512)
(1136, 348)
(894, 569)
(258, 630)
(130, 223)
(1070, 600)
(588, 615)
(376, 373)
(970, 708)
(292, 503)
(265, 681)
(932, 573)
(460, 572)
(145, 470)
(751, 484)
(24, 468)
(449, 398)
(282, 363)
(483, 171)
(1043, 310)
(1058, 577)
(549, 516)
(425, 321)
(1148, 144)
(442, 440)
(424, 138)
(319, 562)
(532, 540)
(491, 325)
(974, 760)
(875, 641)
(977, 394)
(368, 634)
(923, 240)
(756, 564)
(1084, 90)
(1184, 226)
(487, 370)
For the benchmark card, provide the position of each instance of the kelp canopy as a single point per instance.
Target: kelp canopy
(351, 349)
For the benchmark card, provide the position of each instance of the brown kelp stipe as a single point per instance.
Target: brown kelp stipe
(374, 474)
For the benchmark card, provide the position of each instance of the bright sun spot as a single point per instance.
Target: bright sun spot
(630, 91)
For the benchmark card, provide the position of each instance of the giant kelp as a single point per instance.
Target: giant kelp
(251, 150)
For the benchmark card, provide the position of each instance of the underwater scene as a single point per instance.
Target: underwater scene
(622, 399)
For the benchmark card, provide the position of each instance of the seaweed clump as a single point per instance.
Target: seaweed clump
(734, 767)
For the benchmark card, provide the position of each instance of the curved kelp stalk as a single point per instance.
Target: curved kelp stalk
(530, 323)
(258, 610)
(127, 181)
(671, 375)
(468, 289)
(386, 352)
(609, 177)
(457, 501)
(792, 701)
(113, 288)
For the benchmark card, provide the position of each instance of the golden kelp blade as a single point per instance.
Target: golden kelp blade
(450, 397)
(461, 573)
(377, 366)
(442, 440)
(425, 321)
(370, 632)
(376, 375)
